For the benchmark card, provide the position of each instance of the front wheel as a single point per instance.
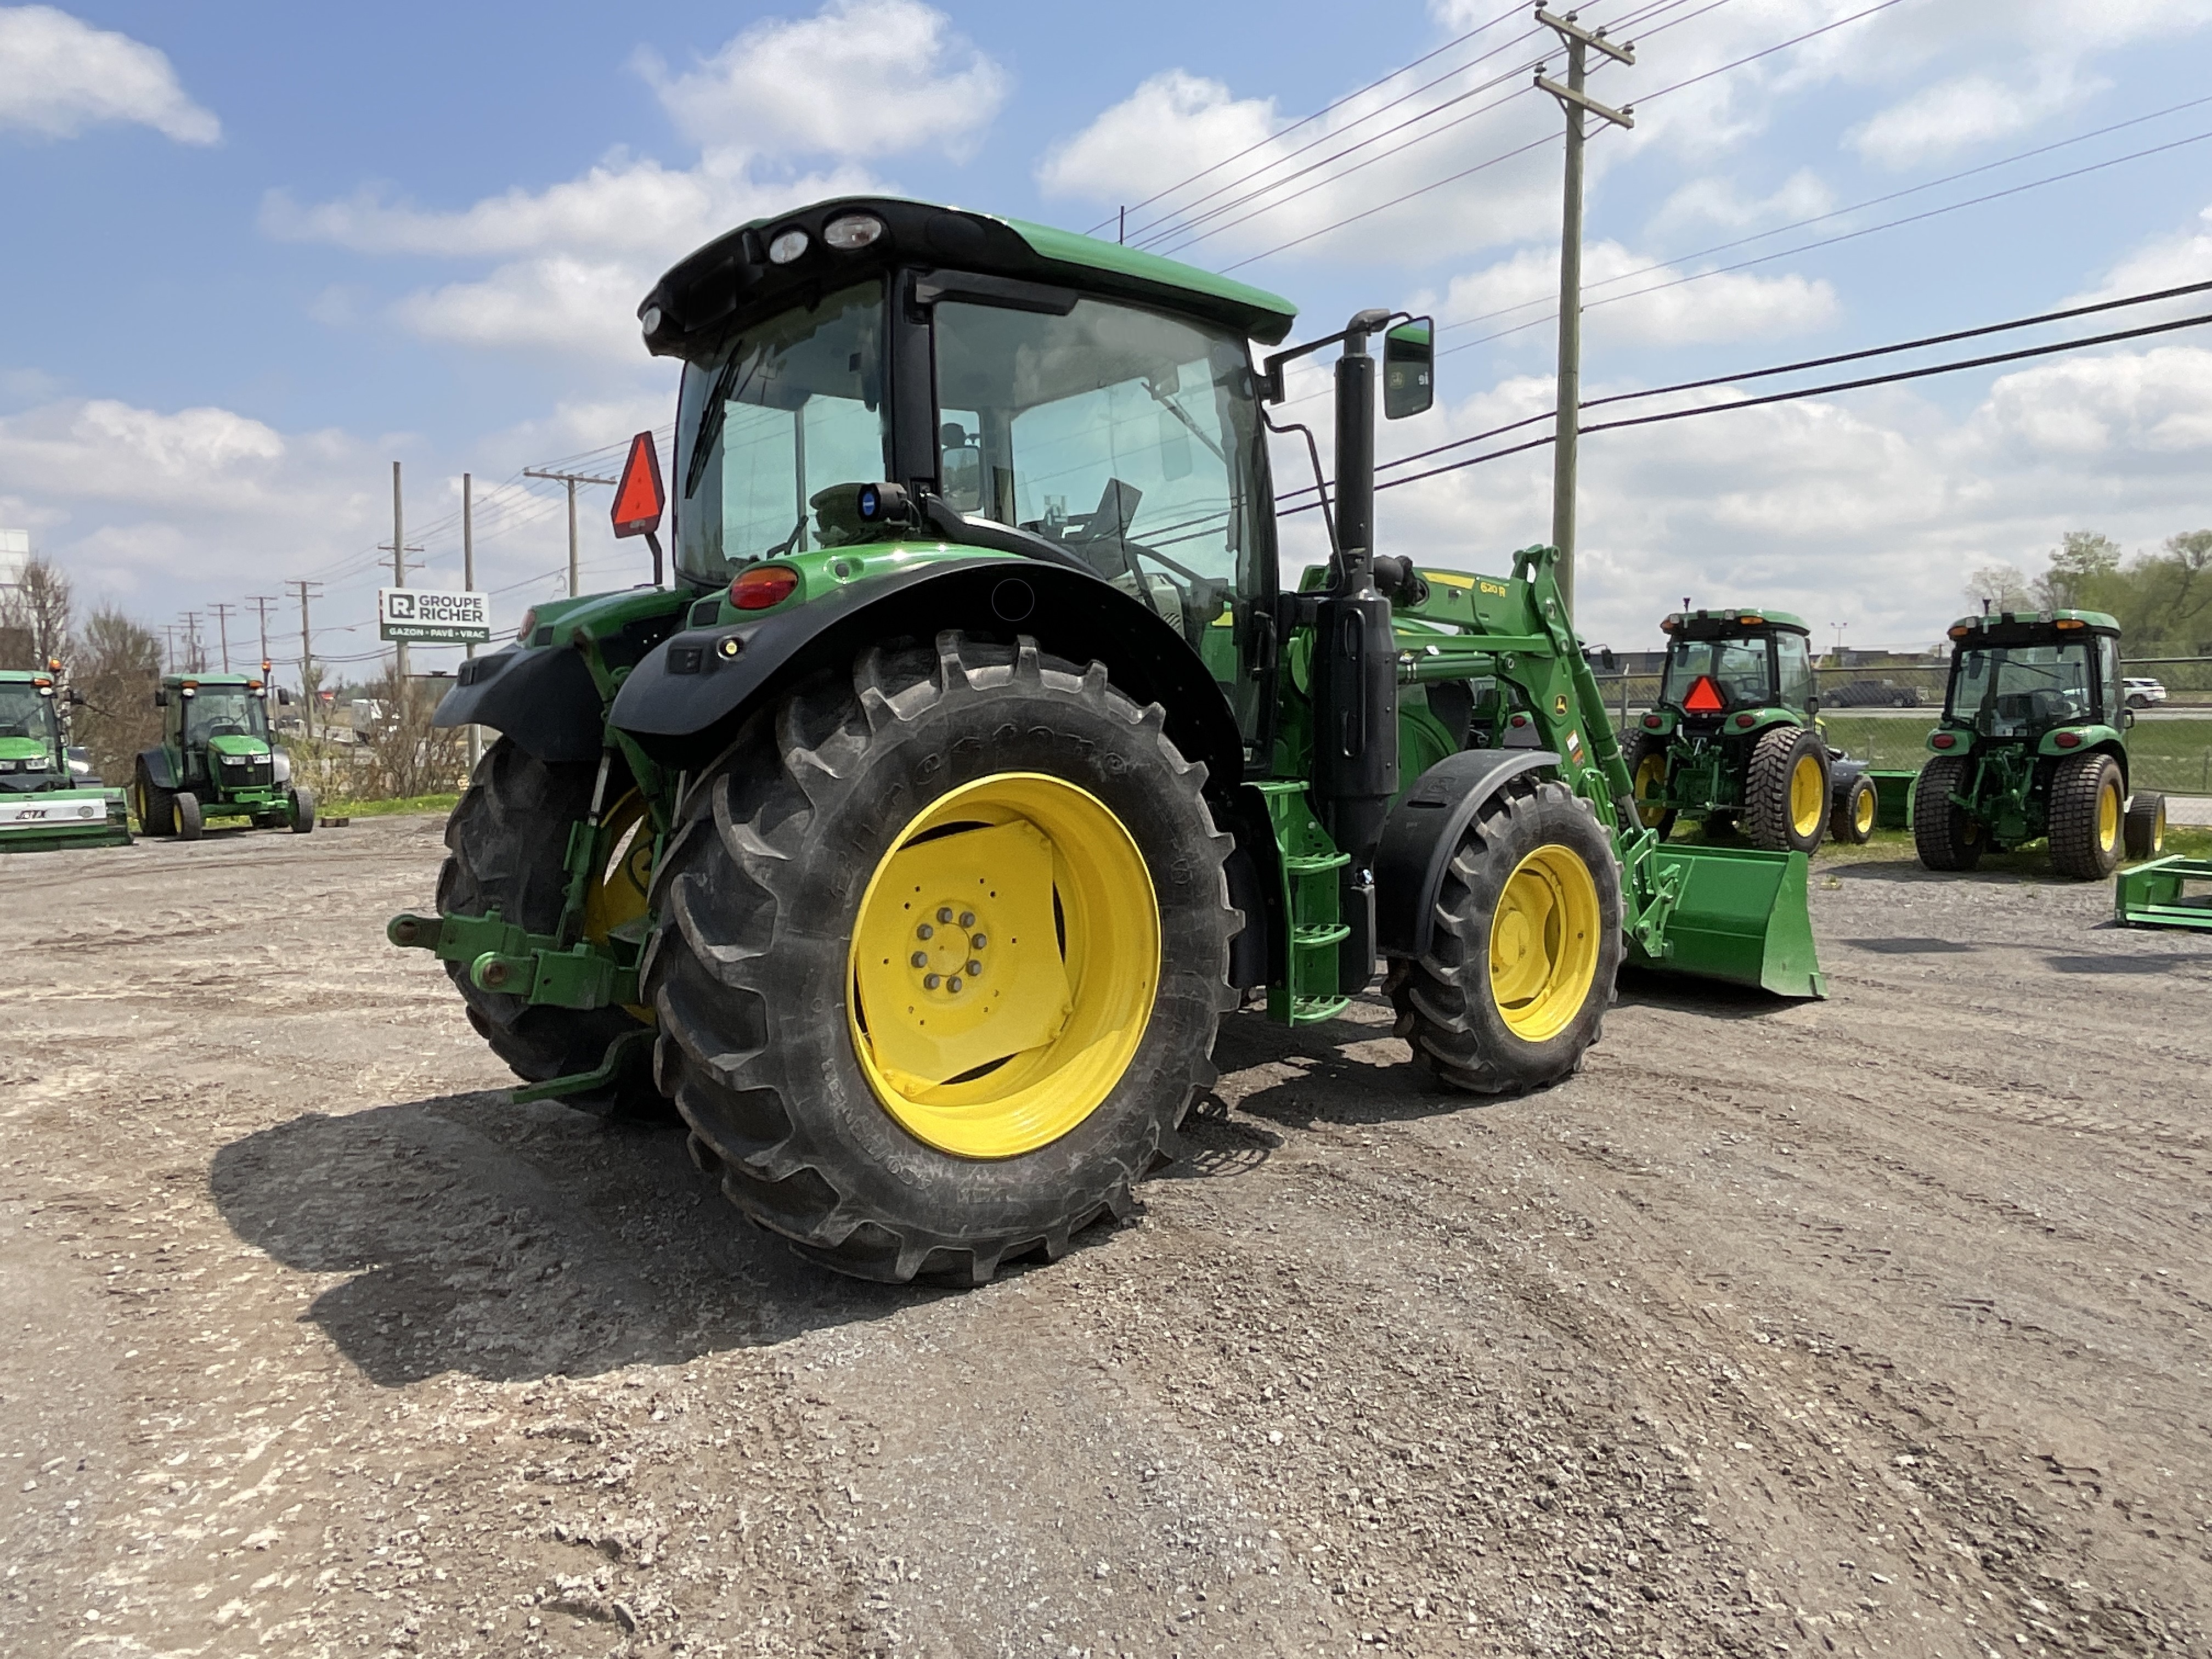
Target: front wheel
(1527, 946)
(943, 945)
(1851, 822)
(1785, 790)
(2145, 829)
(1647, 772)
(303, 812)
(2084, 816)
(184, 815)
(1945, 834)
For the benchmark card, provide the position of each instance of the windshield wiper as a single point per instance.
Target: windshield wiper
(1176, 410)
(711, 419)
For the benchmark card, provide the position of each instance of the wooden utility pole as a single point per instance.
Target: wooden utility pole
(469, 583)
(307, 656)
(571, 479)
(1573, 99)
(261, 602)
(222, 630)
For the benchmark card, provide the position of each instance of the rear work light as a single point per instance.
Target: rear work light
(760, 585)
(853, 230)
(1944, 740)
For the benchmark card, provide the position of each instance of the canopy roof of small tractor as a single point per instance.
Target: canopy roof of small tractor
(1722, 624)
(733, 277)
(227, 681)
(2031, 627)
(23, 675)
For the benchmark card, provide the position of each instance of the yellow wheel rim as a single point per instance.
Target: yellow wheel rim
(2158, 830)
(2108, 817)
(1807, 807)
(1544, 943)
(1862, 811)
(1003, 965)
(616, 896)
(1650, 785)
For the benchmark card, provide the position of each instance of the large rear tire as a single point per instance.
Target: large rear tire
(1528, 944)
(1785, 790)
(1945, 834)
(156, 815)
(2086, 817)
(837, 877)
(2145, 829)
(506, 844)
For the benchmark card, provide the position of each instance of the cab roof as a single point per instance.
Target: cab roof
(23, 675)
(2031, 627)
(733, 277)
(223, 682)
(1720, 623)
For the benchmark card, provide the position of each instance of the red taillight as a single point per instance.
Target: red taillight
(1652, 722)
(1943, 740)
(760, 585)
(2068, 739)
(529, 624)
(1705, 697)
(1746, 720)
(1520, 720)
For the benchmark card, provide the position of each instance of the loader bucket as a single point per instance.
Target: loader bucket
(1739, 915)
(2175, 892)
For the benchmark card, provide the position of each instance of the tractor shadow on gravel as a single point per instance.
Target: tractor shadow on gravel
(511, 1242)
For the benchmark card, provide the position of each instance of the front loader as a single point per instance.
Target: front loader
(914, 845)
(48, 797)
(215, 760)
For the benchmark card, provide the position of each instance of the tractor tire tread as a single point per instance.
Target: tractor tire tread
(2078, 784)
(1944, 835)
(1766, 776)
(2144, 828)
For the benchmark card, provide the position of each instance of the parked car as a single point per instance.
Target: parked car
(2142, 694)
(1871, 694)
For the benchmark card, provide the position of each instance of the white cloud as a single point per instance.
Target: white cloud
(555, 302)
(2161, 263)
(1713, 200)
(1969, 110)
(1737, 305)
(59, 76)
(861, 78)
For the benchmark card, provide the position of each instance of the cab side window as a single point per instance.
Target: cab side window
(2108, 663)
(1793, 662)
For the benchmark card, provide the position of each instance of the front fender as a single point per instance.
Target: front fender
(160, 771)
(1423, 830)
(542, 697)
(687, 698)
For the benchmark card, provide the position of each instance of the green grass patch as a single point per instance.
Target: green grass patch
(386, 808)
(2173, 756)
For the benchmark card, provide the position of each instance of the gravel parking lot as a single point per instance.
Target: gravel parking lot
(1877, 1325)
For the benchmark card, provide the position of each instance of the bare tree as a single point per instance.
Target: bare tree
(34, 618)
(2001, 587)
(117, 665)
(2082, 573)
(408, 756)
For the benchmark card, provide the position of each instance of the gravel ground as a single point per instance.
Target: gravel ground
(1871, 1325)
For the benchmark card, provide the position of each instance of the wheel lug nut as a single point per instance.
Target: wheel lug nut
(945, 912)
(931, 982)
(953, 984)
(974, 969)
(979, 941)
(925, 930)
(919, 958)
(967, 917)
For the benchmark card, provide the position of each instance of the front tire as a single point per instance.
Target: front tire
(1857, 806)
(303, 812)
(1785, 790)
(184, 815)
(2145, 829)
(1527, 947)
(2086, 817)
(1945, 834)
(1647, 774)
(796, 969)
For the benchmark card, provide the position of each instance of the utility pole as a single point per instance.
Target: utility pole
(169, 634)
(261, 602)
(194, 663)
(1839, 627)
(307, 656)
(400, 550)
(469, 584)
(571, 479)
(223, 628)
(1573, 101)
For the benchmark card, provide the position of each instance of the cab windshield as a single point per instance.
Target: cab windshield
(224, 712)
(789, 410)
(2010, 691)
(25, 714)
(1740, 668)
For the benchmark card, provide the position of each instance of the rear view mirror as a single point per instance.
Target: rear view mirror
(1409, 369)
(162, 699)
(284, 697)
(76, 697)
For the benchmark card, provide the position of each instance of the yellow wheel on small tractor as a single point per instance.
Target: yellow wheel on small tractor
(1647, 772)
(1785, 789)
(1004, 963)
(2086, 794)
(1857, 806)
(942, 947)
(2142, 833)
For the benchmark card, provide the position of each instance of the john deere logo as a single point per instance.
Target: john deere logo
(1560, 706)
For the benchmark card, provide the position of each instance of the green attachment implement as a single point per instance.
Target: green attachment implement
(2171, 892)
(1733, 914)
(55, 818)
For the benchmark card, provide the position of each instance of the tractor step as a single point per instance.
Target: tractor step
(2170, 892)
(1312, 989)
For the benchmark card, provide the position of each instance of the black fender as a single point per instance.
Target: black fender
(683, 703)
(159, 770)
(1421, 832)
(543, 698)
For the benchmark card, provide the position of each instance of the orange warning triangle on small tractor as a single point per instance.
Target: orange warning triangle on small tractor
(641, 496)
(1705, 697)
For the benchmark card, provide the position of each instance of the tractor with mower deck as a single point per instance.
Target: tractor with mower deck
(48, 797)
(215, 760)
(2032, 743)
(914, 845)
(1734, 740)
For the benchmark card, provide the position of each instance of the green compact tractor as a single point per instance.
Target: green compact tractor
(2033, 745)
(915, 844)
(216, 761)
(1734, 742)
(48, 796)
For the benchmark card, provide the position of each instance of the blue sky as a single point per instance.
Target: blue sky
(259, 251)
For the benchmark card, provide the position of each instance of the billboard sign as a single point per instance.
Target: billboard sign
(426, 616)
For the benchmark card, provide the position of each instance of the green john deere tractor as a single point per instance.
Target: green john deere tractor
(48, 797)
(1734, 742)
(915, 844)
(2032, 743)
(216, 760)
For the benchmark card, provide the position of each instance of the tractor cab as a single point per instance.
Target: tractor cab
(1751, 667)
(33, 753)
(216, 760)
(49, 796)
(2021, 677)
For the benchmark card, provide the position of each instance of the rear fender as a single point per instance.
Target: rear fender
(543, 698)
(684, 703)
(1421, 833)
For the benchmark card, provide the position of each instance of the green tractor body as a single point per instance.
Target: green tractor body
(216, 760)
(912, 847)
(46, 801)
(2032, 745)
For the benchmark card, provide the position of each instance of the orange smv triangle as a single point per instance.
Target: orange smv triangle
(639, 498)
(1705, 697)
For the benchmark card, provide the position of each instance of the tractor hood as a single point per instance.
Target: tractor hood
(238, 748)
